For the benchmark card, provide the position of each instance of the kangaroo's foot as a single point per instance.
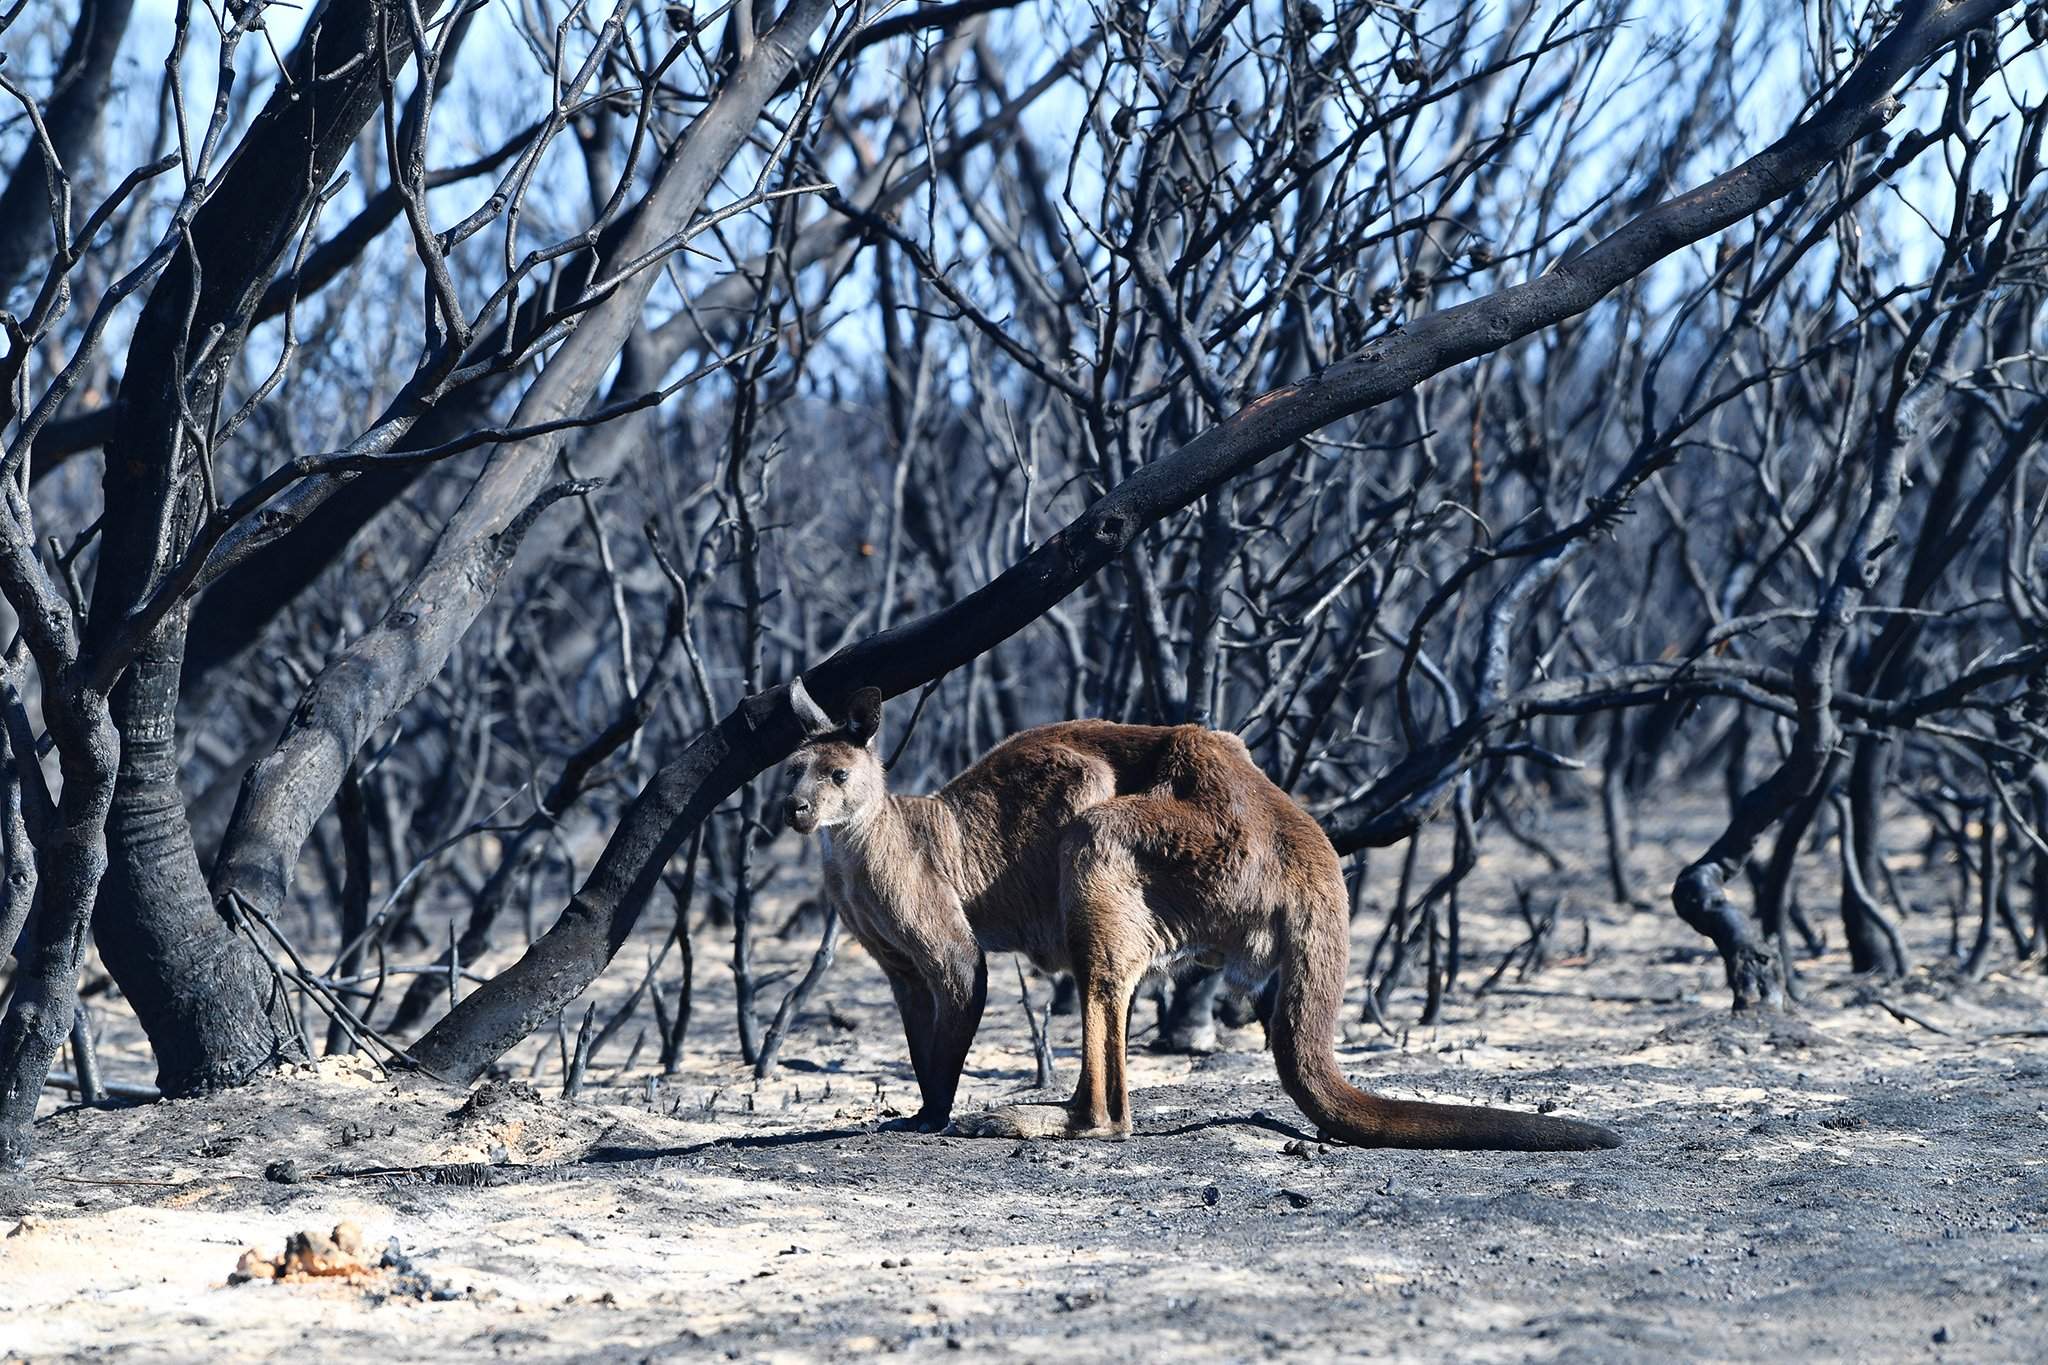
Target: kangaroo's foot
(1038, 1121)
(916, 1123)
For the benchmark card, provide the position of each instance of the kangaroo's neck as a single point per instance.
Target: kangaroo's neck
(899, 844)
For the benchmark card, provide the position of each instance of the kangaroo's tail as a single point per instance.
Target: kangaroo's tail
(1313, 962)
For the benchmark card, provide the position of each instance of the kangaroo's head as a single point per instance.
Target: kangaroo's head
(836, 776)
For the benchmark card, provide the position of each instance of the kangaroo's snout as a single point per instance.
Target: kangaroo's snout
(800, 814)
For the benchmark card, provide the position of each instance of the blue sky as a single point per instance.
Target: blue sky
(495, 88)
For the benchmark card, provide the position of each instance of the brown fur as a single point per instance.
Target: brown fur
(1107, 850)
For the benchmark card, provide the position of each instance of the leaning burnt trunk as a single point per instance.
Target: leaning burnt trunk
(606, 910)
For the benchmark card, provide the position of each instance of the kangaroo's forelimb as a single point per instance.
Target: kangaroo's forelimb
(940, 1000)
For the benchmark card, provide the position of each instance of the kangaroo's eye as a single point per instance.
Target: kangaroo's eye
(839, 776)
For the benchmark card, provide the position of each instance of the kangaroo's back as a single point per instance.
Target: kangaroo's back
(1013, 807)
(1023, 792)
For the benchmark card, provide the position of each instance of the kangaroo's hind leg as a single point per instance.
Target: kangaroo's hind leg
(1111, 940)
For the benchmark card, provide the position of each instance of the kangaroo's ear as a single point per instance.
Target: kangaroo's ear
(809, 714)
(864, 716)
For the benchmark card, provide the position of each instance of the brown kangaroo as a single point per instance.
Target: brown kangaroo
(1105, 850)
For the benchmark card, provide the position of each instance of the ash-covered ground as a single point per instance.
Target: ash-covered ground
(1842, 1182)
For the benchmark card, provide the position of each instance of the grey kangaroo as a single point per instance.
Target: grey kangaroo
(1105, 850)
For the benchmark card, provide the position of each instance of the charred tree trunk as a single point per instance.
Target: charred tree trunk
(202, 993)
(1871, 947)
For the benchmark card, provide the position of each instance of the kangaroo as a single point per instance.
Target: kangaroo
(1105, 850)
